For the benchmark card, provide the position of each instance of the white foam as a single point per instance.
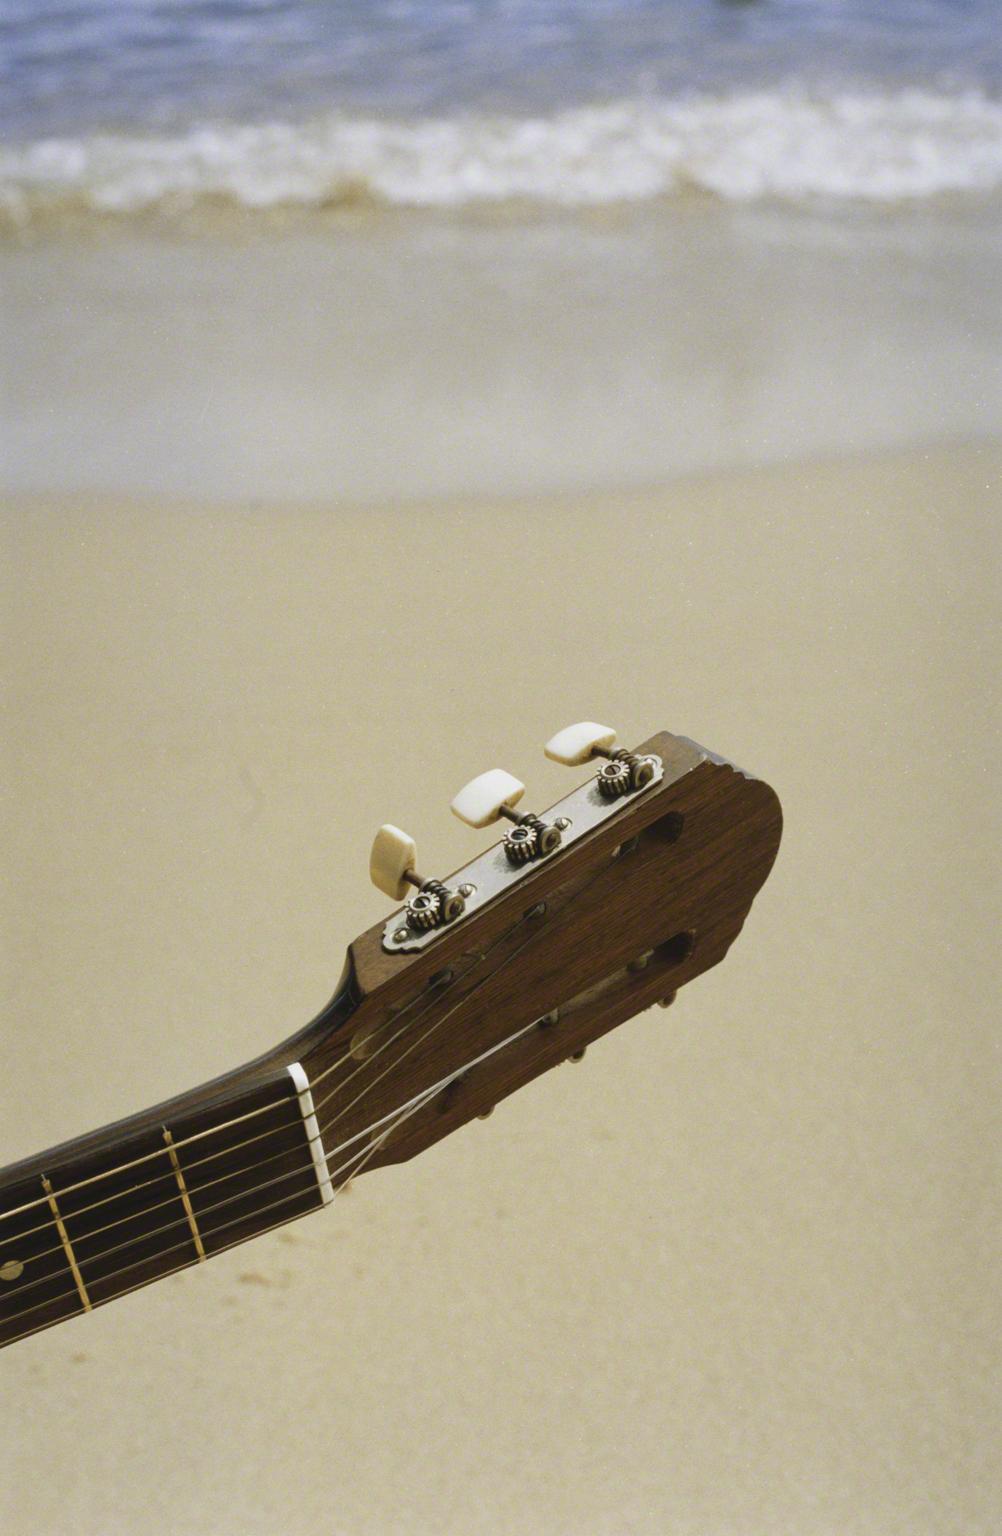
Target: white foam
(785, 145)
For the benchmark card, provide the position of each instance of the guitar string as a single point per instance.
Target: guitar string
(396, 1118)
(250, 1114)
(28, 1333)
(189, 1167)
(429, 1002)
(479, 958)
(425, 1095)
(263, 1135)
(238, 1119)
(182, 1221)
(189, 1263)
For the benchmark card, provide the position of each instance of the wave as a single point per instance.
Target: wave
(755, 145)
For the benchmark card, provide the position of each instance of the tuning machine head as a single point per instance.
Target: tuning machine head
(393, 869)
(622, 773)
(494, 794)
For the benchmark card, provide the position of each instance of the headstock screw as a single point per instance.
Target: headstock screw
(666, 1002)
(578, 1055)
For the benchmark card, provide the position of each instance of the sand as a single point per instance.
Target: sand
(732, 1274)
(390, 358)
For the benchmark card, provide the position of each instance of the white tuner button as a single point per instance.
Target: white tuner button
(487, 797)
(577, 743)
(393, 858)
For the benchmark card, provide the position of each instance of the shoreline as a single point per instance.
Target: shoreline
(889, 479)
(417, 357)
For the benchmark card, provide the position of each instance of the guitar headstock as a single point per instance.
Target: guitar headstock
(586, 913)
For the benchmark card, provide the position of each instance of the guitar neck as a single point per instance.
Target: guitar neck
(95, 1218)
(429, 1027)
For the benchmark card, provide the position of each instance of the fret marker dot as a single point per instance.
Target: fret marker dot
(11, 1270)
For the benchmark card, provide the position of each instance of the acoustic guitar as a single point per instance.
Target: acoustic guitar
(582, 916)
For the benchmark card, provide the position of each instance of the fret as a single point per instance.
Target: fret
(196, 1236)
(166, 1196)
(71, 1257)
(34, 1270)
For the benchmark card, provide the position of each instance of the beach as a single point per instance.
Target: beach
(730, 1272)
(386, 356)
(382, 388)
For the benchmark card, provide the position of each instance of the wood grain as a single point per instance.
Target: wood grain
(618, 920)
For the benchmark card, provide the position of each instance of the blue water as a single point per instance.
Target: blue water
(123, 105)
(80, 65)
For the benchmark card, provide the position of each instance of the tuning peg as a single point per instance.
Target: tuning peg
(494, 794)
(623, 772)
(392, 868)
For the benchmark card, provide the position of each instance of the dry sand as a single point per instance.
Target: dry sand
(732, 1275)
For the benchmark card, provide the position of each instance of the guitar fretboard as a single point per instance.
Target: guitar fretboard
(87, 1224)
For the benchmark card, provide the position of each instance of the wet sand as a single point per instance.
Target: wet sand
(732, 1273)
(397, 357)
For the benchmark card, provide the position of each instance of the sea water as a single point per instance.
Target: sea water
(118, 107)
(359, 250)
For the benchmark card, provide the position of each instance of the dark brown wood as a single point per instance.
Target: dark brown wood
(704, 845)
(599, 931)
(245, 1160)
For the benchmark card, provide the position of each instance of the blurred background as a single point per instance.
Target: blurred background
(386, 384)
(391, 248)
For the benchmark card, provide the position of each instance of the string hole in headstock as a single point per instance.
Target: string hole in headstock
(664, 957)
(668, 829)
(676, 949)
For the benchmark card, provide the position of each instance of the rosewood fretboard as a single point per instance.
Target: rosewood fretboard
(84, 1225)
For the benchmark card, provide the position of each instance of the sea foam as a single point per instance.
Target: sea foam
(753, 145)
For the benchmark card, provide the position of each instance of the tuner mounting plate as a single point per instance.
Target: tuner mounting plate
(493, 872)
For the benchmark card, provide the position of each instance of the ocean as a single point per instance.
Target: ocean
(107, 107)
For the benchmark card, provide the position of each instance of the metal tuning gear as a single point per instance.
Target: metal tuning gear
(494, 794)
(622, 773)
(392, 869)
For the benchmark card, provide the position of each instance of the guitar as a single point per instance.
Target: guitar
(582, 916)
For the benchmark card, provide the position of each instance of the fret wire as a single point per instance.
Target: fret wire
(160, 1177)
(396, 1116)
(248, 1141)
(365, 1153)
(405, 1110)
(174, 1270)
(198, 1136)
(67, 1245)
(234, 1173)
(190, 1263)
(272, 1205)
(238, 1119)
(148, 1258)
(107, 1173)
(185, 1197)
(181, 1221)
